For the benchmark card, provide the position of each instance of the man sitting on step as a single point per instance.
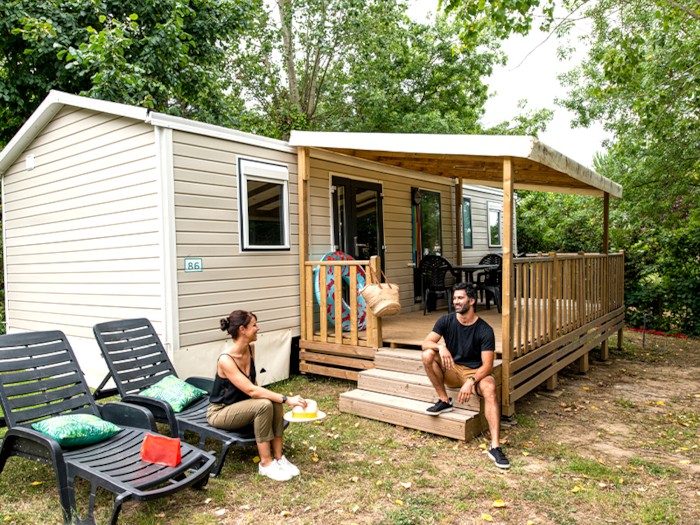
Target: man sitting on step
(464, 361)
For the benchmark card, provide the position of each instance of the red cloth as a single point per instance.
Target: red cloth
(161, 450)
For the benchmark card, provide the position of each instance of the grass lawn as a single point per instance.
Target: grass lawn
(618, 445)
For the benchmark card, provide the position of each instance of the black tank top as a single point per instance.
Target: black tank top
(226, 392)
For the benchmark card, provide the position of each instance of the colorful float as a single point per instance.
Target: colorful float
(330, 290)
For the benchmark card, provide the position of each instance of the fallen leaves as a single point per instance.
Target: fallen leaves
(498, 504)
(256, 459)
(220, 512)
(37, 483)
(576, 489)
(285, 513)
(406, 485)
(486, 517)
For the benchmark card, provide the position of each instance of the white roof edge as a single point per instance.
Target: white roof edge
(212, 130)
(558, 161)
(55, 100)
(482, 145)
(51, 105)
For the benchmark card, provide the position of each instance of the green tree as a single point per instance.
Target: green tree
(168, 55)
(362, 65)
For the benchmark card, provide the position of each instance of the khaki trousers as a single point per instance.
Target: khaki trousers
(267, 417)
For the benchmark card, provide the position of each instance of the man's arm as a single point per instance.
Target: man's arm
(431, 343)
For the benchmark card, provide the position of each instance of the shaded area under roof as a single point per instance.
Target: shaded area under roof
(477, 159)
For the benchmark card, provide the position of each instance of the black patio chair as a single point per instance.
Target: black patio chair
(40, 378)
(489, 281)
(434, 268)
(137, 360)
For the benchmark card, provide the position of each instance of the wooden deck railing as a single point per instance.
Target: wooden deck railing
(562, 306)
(373, 331)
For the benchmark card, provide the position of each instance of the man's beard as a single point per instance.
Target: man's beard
(464, 309)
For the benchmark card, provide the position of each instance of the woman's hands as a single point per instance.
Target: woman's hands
(296, 401)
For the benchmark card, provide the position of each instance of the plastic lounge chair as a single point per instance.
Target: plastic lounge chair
(137, 360)
(434, 268)
(40, 378)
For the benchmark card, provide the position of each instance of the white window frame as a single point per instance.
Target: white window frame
(495, 206)
(262, 171)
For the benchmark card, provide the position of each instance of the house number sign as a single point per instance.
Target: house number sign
(193, 265)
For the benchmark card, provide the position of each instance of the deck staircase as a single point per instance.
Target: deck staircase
(398, 391)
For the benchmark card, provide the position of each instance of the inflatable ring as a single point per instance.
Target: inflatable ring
(330, 290)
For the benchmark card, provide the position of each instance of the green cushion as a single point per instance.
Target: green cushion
(76, 429)
(175, 391)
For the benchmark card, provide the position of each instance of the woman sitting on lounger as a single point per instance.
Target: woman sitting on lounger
(237, 401)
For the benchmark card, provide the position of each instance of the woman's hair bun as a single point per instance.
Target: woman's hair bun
(224, 324)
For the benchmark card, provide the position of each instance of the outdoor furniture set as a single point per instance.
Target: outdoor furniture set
(434, 269)
(40, 379)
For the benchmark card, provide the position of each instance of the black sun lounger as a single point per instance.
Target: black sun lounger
(40, 378)
(137, 360)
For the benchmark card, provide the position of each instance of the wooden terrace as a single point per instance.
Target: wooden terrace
(556, 307)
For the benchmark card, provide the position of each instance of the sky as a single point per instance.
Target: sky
(536, 81)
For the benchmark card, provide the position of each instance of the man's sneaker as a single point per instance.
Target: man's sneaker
(274, 471)
(439, 408)
(498, 457)
(287, 465)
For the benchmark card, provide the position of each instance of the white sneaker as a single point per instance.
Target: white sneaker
(274, 471)
(287, 466)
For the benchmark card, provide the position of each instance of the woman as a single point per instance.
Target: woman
(237, 401)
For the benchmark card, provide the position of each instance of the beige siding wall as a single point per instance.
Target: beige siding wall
(82, 229)
(398, 235)
(207, 226)
(480, 244)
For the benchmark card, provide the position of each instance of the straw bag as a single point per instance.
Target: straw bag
(383, 300)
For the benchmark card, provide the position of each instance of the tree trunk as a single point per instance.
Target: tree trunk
(286, 24)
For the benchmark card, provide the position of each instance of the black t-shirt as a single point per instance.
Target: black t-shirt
(466, 343)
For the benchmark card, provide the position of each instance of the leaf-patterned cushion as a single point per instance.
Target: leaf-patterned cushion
(76, 429)
(175, 391)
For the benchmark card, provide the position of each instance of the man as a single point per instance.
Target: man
(464, 361)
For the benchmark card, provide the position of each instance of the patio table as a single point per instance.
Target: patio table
(469, 269)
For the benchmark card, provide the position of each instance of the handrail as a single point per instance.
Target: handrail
(317, 319)
(555, 294)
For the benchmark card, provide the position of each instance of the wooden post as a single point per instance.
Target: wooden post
(552, 382)
(338, 297)
(581, 279)
(604, 349)
(458, 221)
(375, 262)
(622, 297)
(553, 287)
(304, 171)
(507, 408)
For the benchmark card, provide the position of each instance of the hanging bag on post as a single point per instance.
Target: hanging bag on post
(383, 300)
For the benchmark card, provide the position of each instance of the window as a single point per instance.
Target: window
(494, 211)
(467, 221)
(431, 223)
(264, 205)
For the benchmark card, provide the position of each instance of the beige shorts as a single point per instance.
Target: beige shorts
(460, 374)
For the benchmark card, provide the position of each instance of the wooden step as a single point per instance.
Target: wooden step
(411, 362)
(458, 424)
(411, 386)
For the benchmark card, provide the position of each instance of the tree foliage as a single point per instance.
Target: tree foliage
(168, 55)
(363, 65)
